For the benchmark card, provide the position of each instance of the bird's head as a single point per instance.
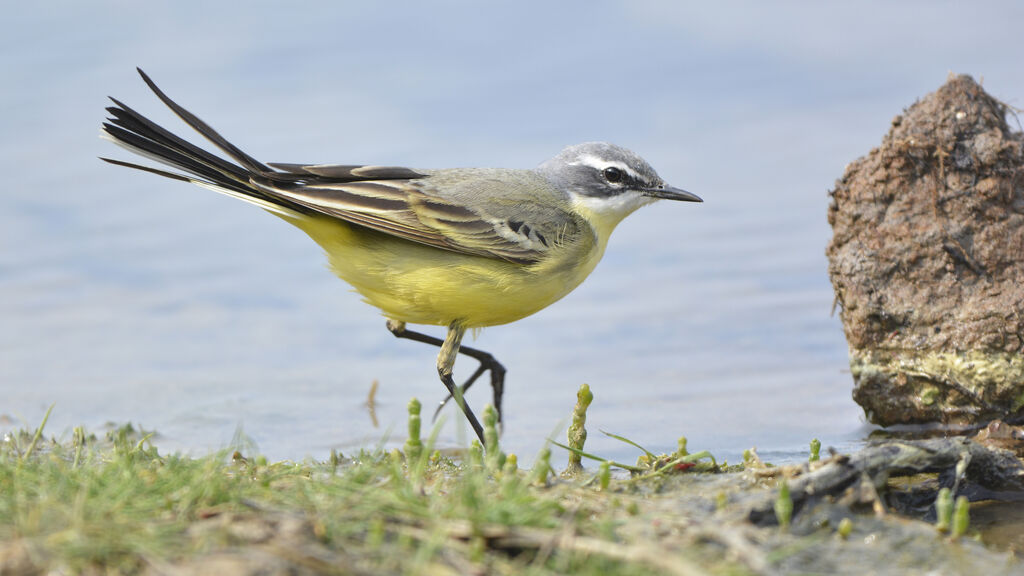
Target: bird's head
(608, 181)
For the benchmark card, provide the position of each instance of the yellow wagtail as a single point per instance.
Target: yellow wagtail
(463, 248)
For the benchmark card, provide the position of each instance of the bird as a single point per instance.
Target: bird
(461, 248)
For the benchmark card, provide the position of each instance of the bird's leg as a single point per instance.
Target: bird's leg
(445, 363)
(465, 386)
(487, 363)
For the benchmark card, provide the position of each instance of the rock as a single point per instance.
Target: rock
(927, 263)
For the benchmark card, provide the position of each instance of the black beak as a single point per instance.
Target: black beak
(669, 193)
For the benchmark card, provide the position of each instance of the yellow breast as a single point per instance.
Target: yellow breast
(421, 284)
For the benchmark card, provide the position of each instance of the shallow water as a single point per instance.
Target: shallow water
(125, 297)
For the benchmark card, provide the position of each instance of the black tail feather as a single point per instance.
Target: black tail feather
(196, 163)
(136, 132)
(204, 129)
(136, 123)
(149, 169)
(237, 175)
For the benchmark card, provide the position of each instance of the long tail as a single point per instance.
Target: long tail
(135, 132)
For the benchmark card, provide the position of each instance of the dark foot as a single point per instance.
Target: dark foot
(487, 363)
(454, 392)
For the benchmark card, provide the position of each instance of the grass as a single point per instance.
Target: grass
(115, 505)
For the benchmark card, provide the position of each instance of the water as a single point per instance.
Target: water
(124, 297)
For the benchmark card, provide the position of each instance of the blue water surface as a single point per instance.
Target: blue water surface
(129, 298)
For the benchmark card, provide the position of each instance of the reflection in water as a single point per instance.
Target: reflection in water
(371, 403)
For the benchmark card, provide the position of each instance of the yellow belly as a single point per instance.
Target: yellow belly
(420, 284)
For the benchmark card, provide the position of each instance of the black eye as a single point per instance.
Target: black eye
(613, 175)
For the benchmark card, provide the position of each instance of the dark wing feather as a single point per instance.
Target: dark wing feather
(349, 172)
(406, 209)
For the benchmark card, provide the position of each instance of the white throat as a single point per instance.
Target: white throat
(604, 213)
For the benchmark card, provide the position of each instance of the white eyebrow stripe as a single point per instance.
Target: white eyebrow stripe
(599, 164)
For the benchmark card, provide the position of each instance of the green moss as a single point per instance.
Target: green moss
(994, 376)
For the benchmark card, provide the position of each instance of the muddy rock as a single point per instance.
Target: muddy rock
(927, 263)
